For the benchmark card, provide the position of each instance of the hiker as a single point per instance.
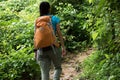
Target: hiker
(51, 54)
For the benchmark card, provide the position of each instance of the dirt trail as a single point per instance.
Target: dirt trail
(70, 65)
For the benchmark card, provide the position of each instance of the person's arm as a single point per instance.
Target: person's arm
(61, 39)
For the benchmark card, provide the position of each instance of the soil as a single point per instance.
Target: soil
(71, 65)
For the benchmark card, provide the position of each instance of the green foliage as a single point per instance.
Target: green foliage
(103, 20)
(18, 66)
(76, 37)
(56, 2)
(18, 5)
(102, 66)
(16, 42)
(15, 36)
(6, 18)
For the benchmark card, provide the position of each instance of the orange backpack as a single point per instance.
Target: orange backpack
(44, 34)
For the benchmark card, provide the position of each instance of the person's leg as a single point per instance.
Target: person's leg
(56, 59)
(44, 63)
(45, 68)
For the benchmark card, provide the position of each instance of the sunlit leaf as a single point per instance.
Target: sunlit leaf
(94, 35)
(91, 1)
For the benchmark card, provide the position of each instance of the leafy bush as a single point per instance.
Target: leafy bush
(18, 66)
(16, 46)
(6, 18)
(76, 37)
(102, 66)
(17, 5)
(16, 35)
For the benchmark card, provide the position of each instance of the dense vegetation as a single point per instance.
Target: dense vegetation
(16, 43)
(84, 24)
(104, 63)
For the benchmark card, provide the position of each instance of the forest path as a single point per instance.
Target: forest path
(70, 65)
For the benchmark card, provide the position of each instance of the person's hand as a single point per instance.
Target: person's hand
(63, 51)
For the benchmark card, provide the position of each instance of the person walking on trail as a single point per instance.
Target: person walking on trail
(51, 54)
